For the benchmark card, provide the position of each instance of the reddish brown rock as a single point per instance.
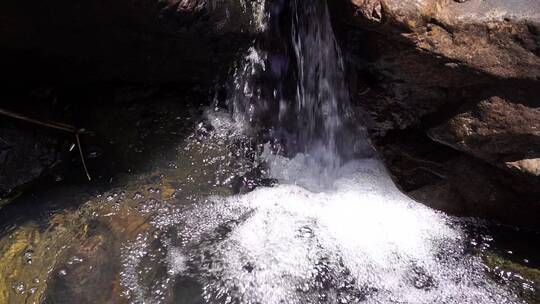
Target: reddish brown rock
(497, 37)
(498, 131)
(466, 73)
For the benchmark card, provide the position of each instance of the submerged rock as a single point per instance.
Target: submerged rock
(517, 276)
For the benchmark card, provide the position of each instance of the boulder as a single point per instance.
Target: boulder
(135, 41)
(24, 155)
(498, 37)
(85, 46)
(463, 75)
(498, 131)
(432, 56)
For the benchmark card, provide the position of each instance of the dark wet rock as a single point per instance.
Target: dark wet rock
(24, 155)
(141, 41)
(515, 275)
(498, 131)
(466, 73)
(187, 291)
(428, 56)
(448, 180)
(133, 47)
(473, 188)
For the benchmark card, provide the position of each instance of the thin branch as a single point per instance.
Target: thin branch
(82, 157)
(53, 125)
(56, 126)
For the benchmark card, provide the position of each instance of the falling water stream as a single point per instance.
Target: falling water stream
(307, 215)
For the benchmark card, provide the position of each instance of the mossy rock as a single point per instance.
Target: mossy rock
(518, 276)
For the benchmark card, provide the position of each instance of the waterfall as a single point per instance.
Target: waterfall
(333, 229)
(292, 82)
(321, 96)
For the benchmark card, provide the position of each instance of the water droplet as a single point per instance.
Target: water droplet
(28, 256)
(20, 287)
(138, 196)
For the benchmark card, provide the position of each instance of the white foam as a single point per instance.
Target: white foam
(176, 261)
(356, 239)
(360, 239)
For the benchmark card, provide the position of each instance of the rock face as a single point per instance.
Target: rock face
(500, 132)
(453, 94)
(137, 41)
(73, 45)
(24, 155)
(498, 37)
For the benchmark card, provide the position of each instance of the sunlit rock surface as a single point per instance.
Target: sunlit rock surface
(443, 66)
(496, 37)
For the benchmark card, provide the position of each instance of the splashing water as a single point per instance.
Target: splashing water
(321, 96)
(263, 206)
(332, 230)
(293, 84)
(360, 240)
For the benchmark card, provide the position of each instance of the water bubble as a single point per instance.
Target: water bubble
(137, 196)
(19, 287)
(74, 260)
(153, 190)
(28, 256)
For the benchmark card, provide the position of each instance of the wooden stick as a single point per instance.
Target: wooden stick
(53, 125)
(56, 126)
(82, 157)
